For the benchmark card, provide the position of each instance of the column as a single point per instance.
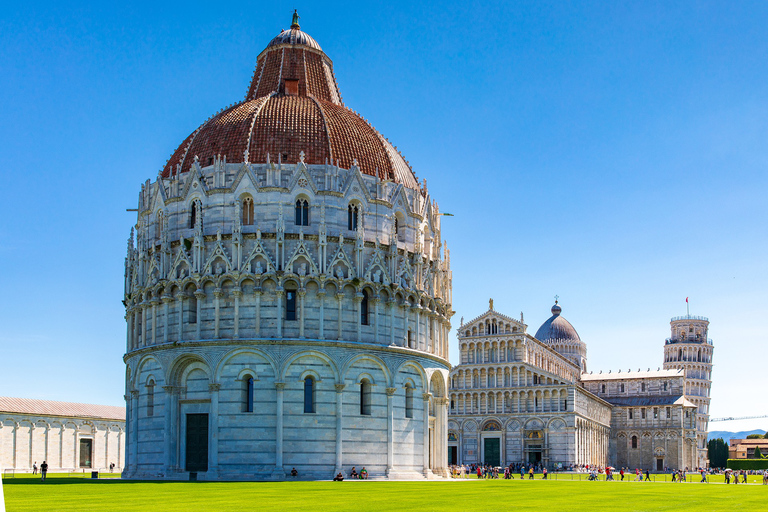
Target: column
(237, 293)
(129, 333)
(375, 301)
(339, 431)
(301, 293)
(417, 313)
(391, 305)
(321, 300)
(217, 295)
(119, 447)
(257, 327)
(279, 472)
(167, 299)
(213, 459)
(180, 298)
(61, 446)
(390, 430)
(169, 433)
(340, 302)
(200, 296)
(405, 308)
(106, 447)
(425, 397)
(154, 304)
(358, 308)
(279, 293)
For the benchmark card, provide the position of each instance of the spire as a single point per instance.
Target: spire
(295, 20)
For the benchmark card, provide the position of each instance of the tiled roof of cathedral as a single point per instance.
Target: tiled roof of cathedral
(293, 105)
(63, 409)
(633, 375)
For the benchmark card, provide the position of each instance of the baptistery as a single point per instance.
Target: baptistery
(287, 293)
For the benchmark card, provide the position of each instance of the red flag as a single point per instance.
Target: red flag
(686, 300)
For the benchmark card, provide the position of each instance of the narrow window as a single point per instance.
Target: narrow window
(669, 412)
(642, 413)
(302, 212)
(191, 312)
(194, 211)
(247, 211)
(151, 398)
(634, 441)
(352, 217)
(309, 395)
(290, 305)
(365, 397)
(248, 394)
(622, 387)
(410, 339)
(602, 388)
(408, 401)
(665, 386)
(655, 413)
(364, 309)
(642, 386)
(630, 414)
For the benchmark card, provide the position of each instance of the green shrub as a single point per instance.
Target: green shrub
(751, 464)
(758, 454)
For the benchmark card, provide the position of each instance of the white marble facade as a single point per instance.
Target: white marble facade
(68, 440)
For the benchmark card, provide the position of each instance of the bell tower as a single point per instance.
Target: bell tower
(688, 348)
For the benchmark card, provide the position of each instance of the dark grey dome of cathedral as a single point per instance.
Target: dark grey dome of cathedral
(557, 328)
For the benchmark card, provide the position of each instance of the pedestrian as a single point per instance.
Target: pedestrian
(544, 474)
(43, 471)
(647, 476)
(727, 476)
(674, 476)
(530, 473)
(703, 477)
(622, 474)
(34, 468)
(744, 476)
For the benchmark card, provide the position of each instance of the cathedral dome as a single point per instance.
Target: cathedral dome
(293, 106)
(557, 328)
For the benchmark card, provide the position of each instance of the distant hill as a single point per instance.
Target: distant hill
(727, 436)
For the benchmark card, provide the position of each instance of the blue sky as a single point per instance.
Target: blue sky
(610, 153)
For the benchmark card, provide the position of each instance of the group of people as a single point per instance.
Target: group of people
(43, 470)
(362, 475)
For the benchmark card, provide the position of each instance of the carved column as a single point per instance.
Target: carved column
(213, 466)
(426, 397)
(339, 428)
(321, 299)
(301, 293)
(134, 451)
(237, 293)
(171, 428)
(217, 294)
(200, 296)
(167, 299)
(257, 327)
(358, 308)
(391, 305)
(416, 308)
(279, 472)
(390, 430)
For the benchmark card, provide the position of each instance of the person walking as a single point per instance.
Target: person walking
(530, 473)
(704, 477)
(647, 476)
(43, 471)
(622, 474)
(34, 468)
(544, 474)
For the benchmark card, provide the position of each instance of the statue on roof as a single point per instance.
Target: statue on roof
(295, 20)
(490, 304)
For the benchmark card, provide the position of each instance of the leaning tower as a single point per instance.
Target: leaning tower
(689, 349)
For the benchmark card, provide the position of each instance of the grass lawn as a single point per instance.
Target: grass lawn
(62, 493)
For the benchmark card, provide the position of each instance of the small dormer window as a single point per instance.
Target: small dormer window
(291, 86)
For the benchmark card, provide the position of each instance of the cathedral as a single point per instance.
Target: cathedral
(287, 293)
(517, 398)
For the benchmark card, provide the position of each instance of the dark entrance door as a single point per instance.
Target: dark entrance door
(453, 453)
(659, 464)
(86, 453)
(197, 442)
(534, 454)
(492, 451)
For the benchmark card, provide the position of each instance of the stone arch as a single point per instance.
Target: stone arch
(437, 384)
(369, 357)
(179, 366)
(226, 358)
(314, 353)
(416, 366)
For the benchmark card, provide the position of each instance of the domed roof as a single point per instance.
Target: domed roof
(557, 328)
(293, 105)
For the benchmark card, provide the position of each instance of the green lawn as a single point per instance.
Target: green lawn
(62, 493)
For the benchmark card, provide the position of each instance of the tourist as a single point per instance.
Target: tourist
(703, 477)
(727, 476)
(765, 477)
(43, 470)
(647, 476)
(744, 476)
(530, 473)
(522, 471)
(339, 477)
(544, 474)
(622, 474)
(34, 468)
(353, 473)
(363, 474)
(479, 472)
(294, 473)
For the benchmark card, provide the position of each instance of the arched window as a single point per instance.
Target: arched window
(365, 397)
(302, 212)
(602, 390)
(248, 394)
(194, 213)
(309, 394)
(353, 214)
(642, 386)
(190, 315)
(621, 386)
(247, 211)
(290, 304)
(151, 398)
(634, 441)
(364, 309)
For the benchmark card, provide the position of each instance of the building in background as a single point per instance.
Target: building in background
(287, 293)
(69, 436)
(745, 448)
(517, 398)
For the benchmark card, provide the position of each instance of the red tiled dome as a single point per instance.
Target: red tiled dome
(293, 105)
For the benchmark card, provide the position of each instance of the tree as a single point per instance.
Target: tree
(758, 454)
(717, 452)
(765, 436)
(755, 436)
